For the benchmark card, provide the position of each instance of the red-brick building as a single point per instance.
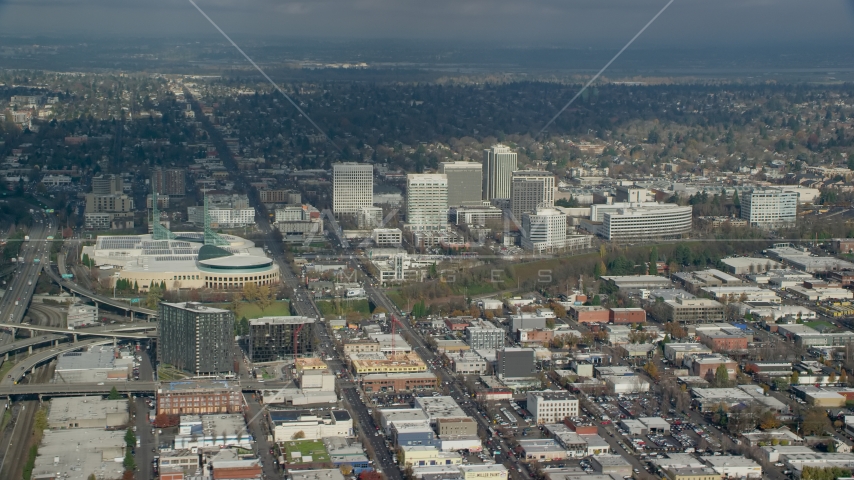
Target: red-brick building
(458, 324)
(399, 382)
(527, 335)
(842, 245)
(589, 314)
(627, 315)
(197, 398)
(724, 342)
(842, 277)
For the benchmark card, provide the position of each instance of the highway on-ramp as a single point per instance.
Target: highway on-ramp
(23, 367)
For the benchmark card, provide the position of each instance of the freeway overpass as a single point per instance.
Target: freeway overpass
(75, 389)
(98, 299)
(120, 332)
(21, 368)
(29, 343)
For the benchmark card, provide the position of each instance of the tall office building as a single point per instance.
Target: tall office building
(278, 338)
(640, 222)
(770, 207)
(530, 190)
(195, 338)
(543, 230)
(170, 181)
(484, 335)
(426, 202)
(465, 182)
(515, 363)
(352, 187)
(107, 185)
(499, 163)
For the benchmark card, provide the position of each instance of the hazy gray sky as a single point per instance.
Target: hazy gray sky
(605, 23)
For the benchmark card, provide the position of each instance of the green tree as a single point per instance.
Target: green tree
(795, 378)
(265, 297)
(815, 422)
(130, 438)
(129, 462)
(721, 376)
(114, 394)
(653, 261)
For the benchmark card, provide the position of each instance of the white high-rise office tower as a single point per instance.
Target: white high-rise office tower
(543, 230)
(770, 207)
(531, 189)
(498, 165)
(465, 182)
(426, 202)
(352, 187)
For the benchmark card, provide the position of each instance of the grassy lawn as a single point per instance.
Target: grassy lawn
(394, 296)
(477, 289)
(167, 372)
(7, 415)
(344, 307)
(250, 310)
(6, 367)
(306, 448)
(820, 325)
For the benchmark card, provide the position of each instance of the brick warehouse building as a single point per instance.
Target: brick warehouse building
(589, 314)
(197, 398)
(399, 382)
(627, 315)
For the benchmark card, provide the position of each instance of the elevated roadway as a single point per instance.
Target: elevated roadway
(98, 299)
(72, 389)
(29, 343)
(22, 368)
(120, 332)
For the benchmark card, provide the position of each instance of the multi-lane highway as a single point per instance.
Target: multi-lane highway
(19, 291)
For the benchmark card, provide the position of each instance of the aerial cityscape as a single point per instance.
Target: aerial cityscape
(364, 249)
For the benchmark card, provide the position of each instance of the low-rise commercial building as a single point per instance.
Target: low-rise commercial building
(481, 334)
(80, 314)
(467, 363)
(675, 352)
(732, 466)
(693, 310)
(465, 426)
(538, 336)
(706, 365)
(638, 282)
(611, 464)
(199, 397)
(542, 450)
(627, 315)
(366, 363)
(98, 364)
(692, 474)
(288, 424)
(551, 407)
(75, 454)
(399, 382)
(439, 407)
(589, 314)
(484, 472)
(420, 456)
(87, 412)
